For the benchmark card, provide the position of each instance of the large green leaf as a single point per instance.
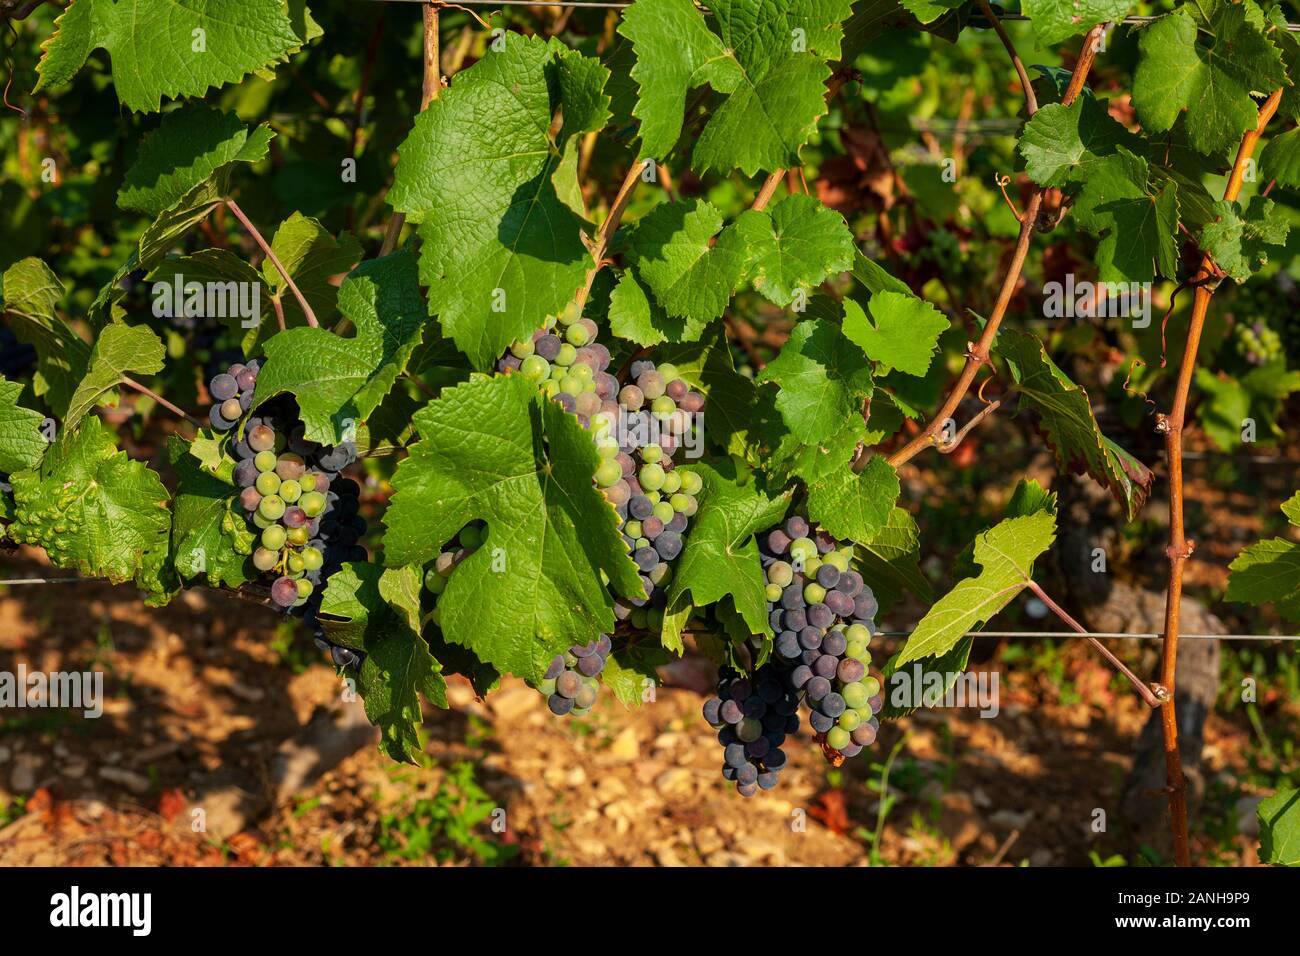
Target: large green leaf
(209, 534)
(1279, 828)
(903, 332)
(794, 247)
(1065, 144)
(1006, 554)
(1068, 421)
(31, 292)
(1135, 216)
(1057, 20)
(1238, 238)
(494, 449)
(854, 506)
(119, 349)
(21, 440)
(1269, 572)
(339, 380)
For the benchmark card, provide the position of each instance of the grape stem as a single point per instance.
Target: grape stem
(979, 353)
(145, 390)
(1145, 692)
(275, 261)
(1180, 549)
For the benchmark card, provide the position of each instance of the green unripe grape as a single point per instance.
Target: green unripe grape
(651, 477)
(836, 560)
(669, 371)
(632, 529)
(773, 592)
(567, 354)
(268, 483)
(663, 407)
(272, 506)
(298, 536)
(813, 592)
(535, 368)
(547, 687)
(692, 483)
(313, 560)
(576, 335)
(643, 542)
(266, 461)
(855, 695)
(857, 650)
(434, 582)
(661, 573)
(651, 453)
(599, 424)
(664, 511)
(471, 537)
(523, 349)
(654, 496)
(307, 482)
(749, 730)
(780, 573)
(572, 313)
(871, 686)
(572, 385)
(857, 633)
(295, 563)
(850, 720)
(608, 473)
(305, 588)
(583, 371)
(260, 522)
(312, 503)
(672, 483)
(810, 567)
(838, 738)
(803, 549)
(680, 502)
(290, 490)
(273, 538)
(264, 559)
(550, 388)
(638, 617)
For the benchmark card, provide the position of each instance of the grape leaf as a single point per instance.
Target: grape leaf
(119, 349)
(339, 380)
(904, 335)
(169, 48)
(94, 510)
(854, 506)
(1279, 828)
(367, 608)
(1269, 571)
(208, 536)
(1068, 422)
(189, 147)
(1058, 20)
(1211, 77)
(795, 246)
(494, 449)
(634, 316)
(891, 560)
(31, 292)
(313, 258)
(630, 671)
(583, 80)
(721, 556)
(1065, 144)
(1006, 552)
(769, 59)
(690, 264)
(927, 11)
(1137, 222)
(1256, 397)
(1237, 238)
(21, 442)
(1280, 159)
(823, 377)
(499, 250)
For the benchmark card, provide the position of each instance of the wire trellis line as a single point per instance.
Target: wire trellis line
(624, 4)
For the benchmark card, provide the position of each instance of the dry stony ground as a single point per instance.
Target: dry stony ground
(204, 712)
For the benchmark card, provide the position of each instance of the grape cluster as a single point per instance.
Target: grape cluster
(466, 543)
(753, 717)
(1257, 343)
(567, 363)
(572, 682)
(823, 615)
(306, 515)
(637, 475)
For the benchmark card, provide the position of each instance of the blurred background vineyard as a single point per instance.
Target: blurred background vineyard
(220, 704)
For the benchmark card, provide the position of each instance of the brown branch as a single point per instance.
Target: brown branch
(982, 414)
(1145, 692)
(145, 390)
(978, 354)
(768, 190)
(1031, 101)
(429, 91)
(1180, 549)
(605, 237)
(275, 261)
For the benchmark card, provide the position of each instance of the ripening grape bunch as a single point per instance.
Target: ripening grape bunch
(637, 474)
(823, 616)
(566, 362)
(305, 514)
(1257, 343)
(571, 683)
(753, 717)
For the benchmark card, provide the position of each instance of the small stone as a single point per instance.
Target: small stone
(725, 858)
(513, 702)
(625, 746)
(23, 778)
(135, 782)
(576, 777)
(674, 782)
(1011, 819)
(666, 856)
